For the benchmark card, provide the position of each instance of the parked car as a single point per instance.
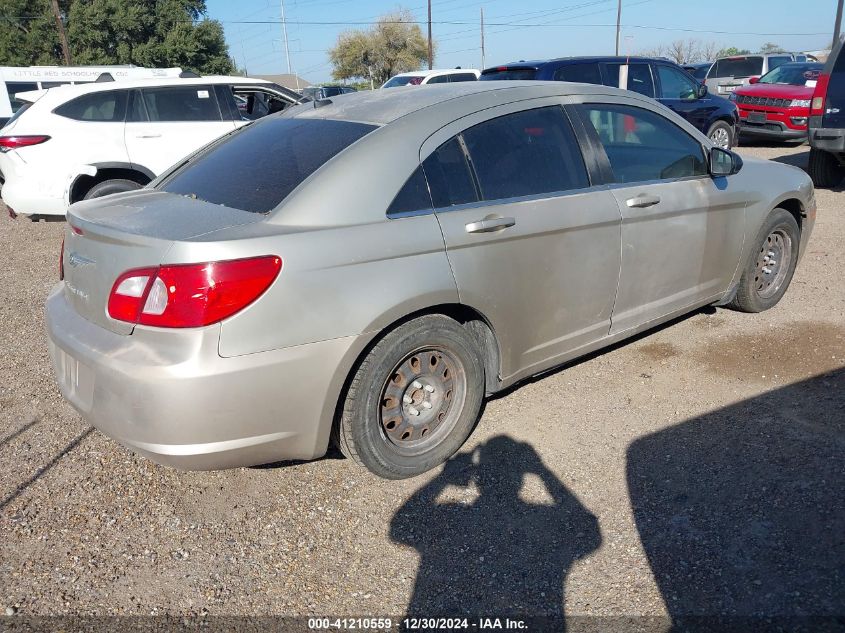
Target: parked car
(425, 77)
(324, 92)
(79, 142)
(778, 104)
(698, 71)
(15, 79)
(236, 313)
(729, 73)
(827, 122)
(659, 78)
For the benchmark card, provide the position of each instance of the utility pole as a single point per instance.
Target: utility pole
(618, 24)
(62, 34)
(482, 38)
(430, 48)
(838, 24)
(285, 34)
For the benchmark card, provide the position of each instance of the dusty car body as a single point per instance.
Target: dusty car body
(399, 301)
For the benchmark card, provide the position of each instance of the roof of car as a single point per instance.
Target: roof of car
(62, 93)
(536, 63)
(436, 71)
(384, 106)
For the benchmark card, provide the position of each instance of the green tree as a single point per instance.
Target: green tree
(147, 33)
(395, 44)
(28, 34)
(732, 51)
(158, 33)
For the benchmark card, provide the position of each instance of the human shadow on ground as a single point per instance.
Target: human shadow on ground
(493, 553)
(741, 512)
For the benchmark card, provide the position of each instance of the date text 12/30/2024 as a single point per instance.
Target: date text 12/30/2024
(415, 624)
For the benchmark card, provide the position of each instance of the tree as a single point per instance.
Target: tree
(732, 51)
(395, 44)
(158, 33)
(148, 33)
(771, 47)
(28, 34)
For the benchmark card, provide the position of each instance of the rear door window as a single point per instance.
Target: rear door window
(181, 103)
(639, 78)
(256, 168)
(542, 154)
(459, 77)
(449, 176)
(439, 79)
(413, 196)
(14, 87)
(580, 73)
(642, 145)
(96, 106)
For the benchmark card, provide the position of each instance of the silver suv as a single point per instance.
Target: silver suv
(729, 73)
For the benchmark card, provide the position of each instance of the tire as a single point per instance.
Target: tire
(824, 168)
(108, 187)
(721, 134)
(777, 240)
(433, 360)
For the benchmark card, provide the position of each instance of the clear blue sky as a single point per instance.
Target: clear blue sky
(550, 28)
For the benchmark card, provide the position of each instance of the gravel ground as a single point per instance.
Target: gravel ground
(695, 470)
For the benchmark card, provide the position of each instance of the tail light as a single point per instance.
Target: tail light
(819, 94)
(62, 261)
(14, 142)
(191, 295)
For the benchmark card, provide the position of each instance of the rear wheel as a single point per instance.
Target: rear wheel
(771, 264)
(824, 168)
(721, 134)
(108, 187)
(414, 399)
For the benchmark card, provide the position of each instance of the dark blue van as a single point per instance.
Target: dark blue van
(660, 79)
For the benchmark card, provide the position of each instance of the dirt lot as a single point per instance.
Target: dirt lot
(696, 470)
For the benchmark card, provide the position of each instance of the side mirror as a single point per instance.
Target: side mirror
(724, 162)
(753, 80)
(702, 91)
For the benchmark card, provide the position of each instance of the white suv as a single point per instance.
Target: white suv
(77, 142)
(426, 77)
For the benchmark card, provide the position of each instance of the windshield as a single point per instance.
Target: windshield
(404, 80)
(257, 167)
(738, 67)
(792, 74)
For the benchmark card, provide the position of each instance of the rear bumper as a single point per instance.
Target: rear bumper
(828, 139)
(171, 397)
(31, 191)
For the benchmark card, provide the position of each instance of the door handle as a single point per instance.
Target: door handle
(148, 136)
(488, 225)
(642, 201)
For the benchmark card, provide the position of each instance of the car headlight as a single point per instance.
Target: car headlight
(800, 103)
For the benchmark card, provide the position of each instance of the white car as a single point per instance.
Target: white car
(425, 77)
(77, 142)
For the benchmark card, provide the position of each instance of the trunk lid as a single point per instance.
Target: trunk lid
(108, 236)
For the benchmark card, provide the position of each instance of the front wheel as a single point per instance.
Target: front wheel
(721, 134)
(414, 399)
(771, 264)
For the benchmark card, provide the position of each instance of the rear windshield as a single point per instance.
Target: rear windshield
(256, 168)
(505, 74)
(737, 67)
(405, 80)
